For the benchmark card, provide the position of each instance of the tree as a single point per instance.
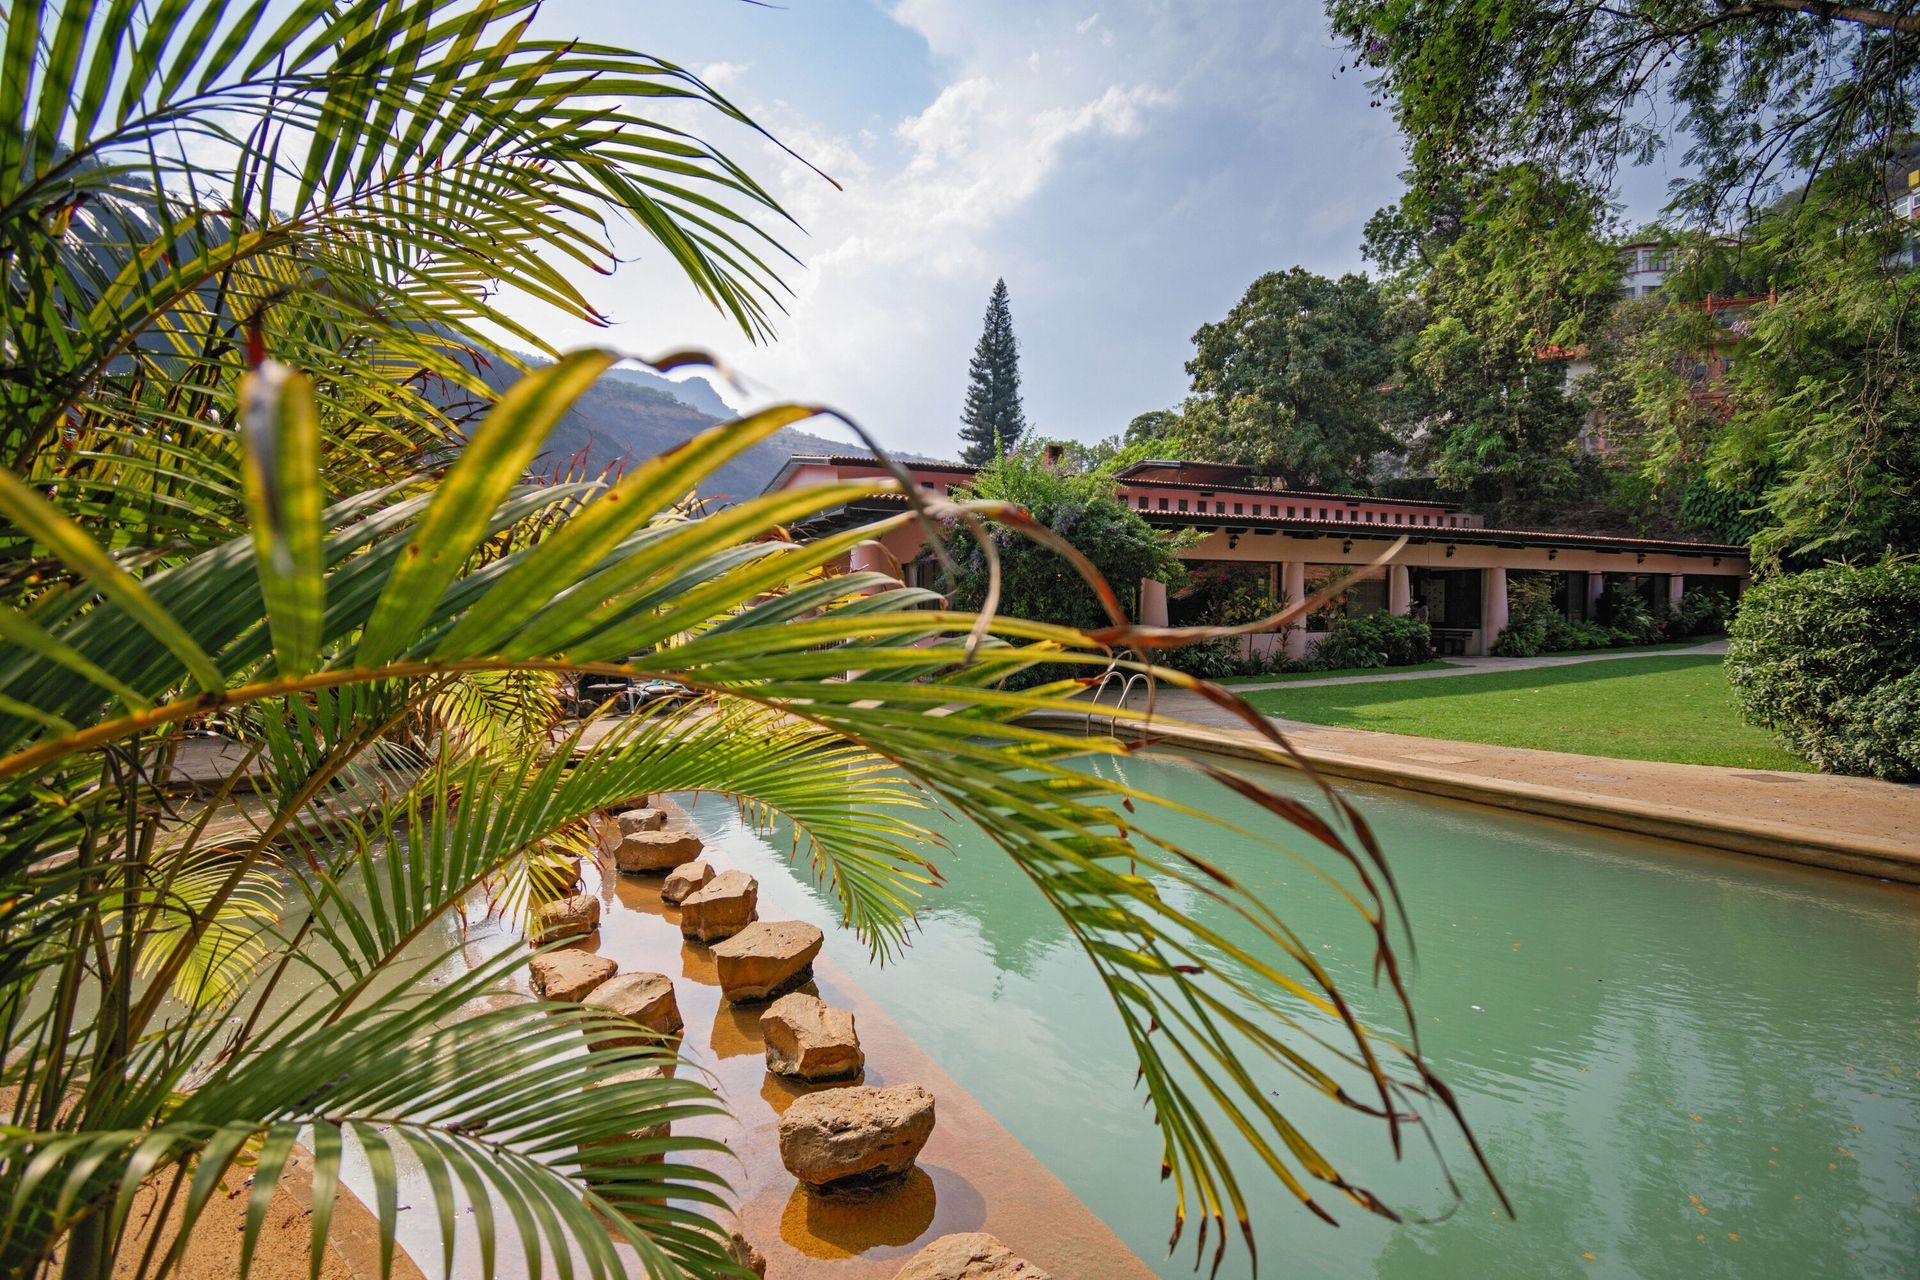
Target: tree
(1809, 444)
(1489, 280)
(225, 494)
(1767, 96)
(1036, 581)
(1760, 92)
(992, 421)
(1291, 381)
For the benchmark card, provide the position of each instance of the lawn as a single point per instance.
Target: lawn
(1673, 708)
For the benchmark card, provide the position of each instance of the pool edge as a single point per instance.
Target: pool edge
(1784, 842)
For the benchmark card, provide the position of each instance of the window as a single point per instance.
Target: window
(1163, 504)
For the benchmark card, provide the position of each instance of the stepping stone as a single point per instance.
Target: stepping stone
(807, 1039)
(969, 1255)
(645, 851)
(641, 1134)
(840, 1139)
(574, 916)
(764, 959)
(629, 821)
(644, 998)
(569, 975)
(721, 908)
(685, 879)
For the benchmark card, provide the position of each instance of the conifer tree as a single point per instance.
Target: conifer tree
(992, 421)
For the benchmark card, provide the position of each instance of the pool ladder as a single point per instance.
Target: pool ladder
(1125, 679)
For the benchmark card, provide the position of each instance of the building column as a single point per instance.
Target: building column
(1399, 590)
(1493, 608)
(1596, 587)
(1676, 587)
(1293, 589)
(1153, 603)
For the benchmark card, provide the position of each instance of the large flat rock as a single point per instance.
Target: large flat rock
(843, 1138)
(720, 908)
(807, 1039)
(646, 1000)
(650, 851)
(969, 1255)
(574, 916)
(766, 958)
(685, 880)
(569, 974)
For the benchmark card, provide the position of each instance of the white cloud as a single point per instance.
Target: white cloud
(1127, 186)
(723, 75)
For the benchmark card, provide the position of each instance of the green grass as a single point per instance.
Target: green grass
(1335, 675)
(1675, 708)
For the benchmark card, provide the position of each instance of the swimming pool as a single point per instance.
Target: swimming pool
(1682, 1063)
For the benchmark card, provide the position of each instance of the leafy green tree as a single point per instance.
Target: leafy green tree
(226, 495)
(1290, 382)
(1756, 92)
(1491, 279)
(1791, 420)
(1080, 506)
(1809, 436)
(992, 421)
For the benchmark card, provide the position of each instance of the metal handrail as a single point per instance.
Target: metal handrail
(1126, 691)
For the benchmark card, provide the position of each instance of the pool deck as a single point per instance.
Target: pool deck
(1861, 825)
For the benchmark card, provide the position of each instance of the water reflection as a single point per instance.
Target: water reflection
(886, 1217)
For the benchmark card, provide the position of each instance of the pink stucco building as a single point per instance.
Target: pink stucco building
(1454, 570)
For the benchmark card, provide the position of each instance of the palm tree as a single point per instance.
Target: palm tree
(245, 266)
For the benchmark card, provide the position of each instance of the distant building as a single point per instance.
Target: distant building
(1643, 268)
(1289, 542)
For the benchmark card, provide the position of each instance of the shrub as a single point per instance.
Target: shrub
(1521, 640)
(1807, 650)
(1877, 732)
(1701, 613)
(1634, 621)
(1374, 640)
(1209, 660)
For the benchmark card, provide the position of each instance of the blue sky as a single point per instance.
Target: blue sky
(1128, 168)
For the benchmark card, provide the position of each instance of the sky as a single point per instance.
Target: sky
(1128, 168)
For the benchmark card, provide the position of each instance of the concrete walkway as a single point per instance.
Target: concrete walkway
(1487, 666)
(1863, 825)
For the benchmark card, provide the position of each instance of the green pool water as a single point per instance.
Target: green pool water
(1683, 1064)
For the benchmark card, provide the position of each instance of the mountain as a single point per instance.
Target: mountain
(697, 392)
(633, 414)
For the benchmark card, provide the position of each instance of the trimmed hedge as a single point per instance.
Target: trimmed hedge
(1827, 658)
